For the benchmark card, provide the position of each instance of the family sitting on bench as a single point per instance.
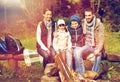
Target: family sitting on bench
(74, 41)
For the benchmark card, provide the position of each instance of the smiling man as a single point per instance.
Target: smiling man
(94, 41)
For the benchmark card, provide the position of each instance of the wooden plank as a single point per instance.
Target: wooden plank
(13, 64)
(6, 56)
(65, 72)
(12, 60)
(31, 56)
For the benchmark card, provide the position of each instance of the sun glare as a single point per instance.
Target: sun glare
(13, 2)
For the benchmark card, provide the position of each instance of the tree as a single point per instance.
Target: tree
(32, 10)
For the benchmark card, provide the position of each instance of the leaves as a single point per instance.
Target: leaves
(74, 1)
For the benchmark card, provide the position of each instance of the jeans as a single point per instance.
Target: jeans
(69, 59)
(47, 58)
(79, 52)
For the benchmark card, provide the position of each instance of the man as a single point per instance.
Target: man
(76, 33)
(94, 41)
(44, 35)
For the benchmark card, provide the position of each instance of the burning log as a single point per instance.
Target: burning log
(65, 74)
(59, 72)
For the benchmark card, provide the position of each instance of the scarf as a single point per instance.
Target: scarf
(89, 31)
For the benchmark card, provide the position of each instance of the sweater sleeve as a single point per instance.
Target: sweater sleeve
(55, 40)
(69, 42)
(101, 36)
(38, 35)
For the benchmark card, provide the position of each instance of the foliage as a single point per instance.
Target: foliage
(32, 12)
(109, 69)
(112, 13)
(66, 8)
(112, 40)
(74, 1)
(22, 74)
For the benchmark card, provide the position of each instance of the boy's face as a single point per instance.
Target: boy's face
(47, 15)
(74, 24)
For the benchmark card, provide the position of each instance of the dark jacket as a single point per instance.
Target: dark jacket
(77, 36)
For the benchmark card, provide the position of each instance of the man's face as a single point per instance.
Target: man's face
(47, 15)
(89, 16)
(74, 24)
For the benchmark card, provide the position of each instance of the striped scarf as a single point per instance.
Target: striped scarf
(89, 31)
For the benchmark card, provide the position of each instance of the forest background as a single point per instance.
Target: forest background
(20, 18)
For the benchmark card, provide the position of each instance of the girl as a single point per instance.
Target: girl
(62, 42)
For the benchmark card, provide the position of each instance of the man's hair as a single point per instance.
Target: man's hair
(44, 10)
(89, 9)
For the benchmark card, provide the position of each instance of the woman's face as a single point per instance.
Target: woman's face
(74, 24)
(47, 15)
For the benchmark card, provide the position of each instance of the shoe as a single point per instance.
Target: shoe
(90, 75)
(1, 74)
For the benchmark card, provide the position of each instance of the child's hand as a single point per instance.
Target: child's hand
(55, 34)
(57, 52)
(69, 50)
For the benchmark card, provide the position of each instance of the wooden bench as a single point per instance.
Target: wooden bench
(29, 56)
(12, 60)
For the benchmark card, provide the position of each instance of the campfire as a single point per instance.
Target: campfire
(59, 72)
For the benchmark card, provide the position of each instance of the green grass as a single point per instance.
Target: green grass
(29, 43)
(112, 42)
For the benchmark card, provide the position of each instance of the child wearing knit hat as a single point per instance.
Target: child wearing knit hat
(77, 38)
(75, 17)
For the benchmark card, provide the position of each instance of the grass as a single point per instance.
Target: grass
(112, 42)
(23, 74)
(29, 43)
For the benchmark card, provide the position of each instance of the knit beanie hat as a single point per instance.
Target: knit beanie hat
(75, 17)
(60, 21)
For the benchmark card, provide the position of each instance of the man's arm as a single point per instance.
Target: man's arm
(100, 38)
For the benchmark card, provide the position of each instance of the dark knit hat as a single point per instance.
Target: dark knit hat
(75, 17)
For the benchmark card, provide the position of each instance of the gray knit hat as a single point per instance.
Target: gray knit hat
(75, 17)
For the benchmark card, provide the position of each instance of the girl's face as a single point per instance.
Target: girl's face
(61, 27)
(74, 24)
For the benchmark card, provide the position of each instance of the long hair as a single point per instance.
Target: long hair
(46, 9)
(65, 27)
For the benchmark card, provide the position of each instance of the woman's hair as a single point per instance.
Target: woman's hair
(46, 9)
(65, 27)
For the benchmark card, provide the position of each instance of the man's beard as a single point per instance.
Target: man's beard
(90, 20)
